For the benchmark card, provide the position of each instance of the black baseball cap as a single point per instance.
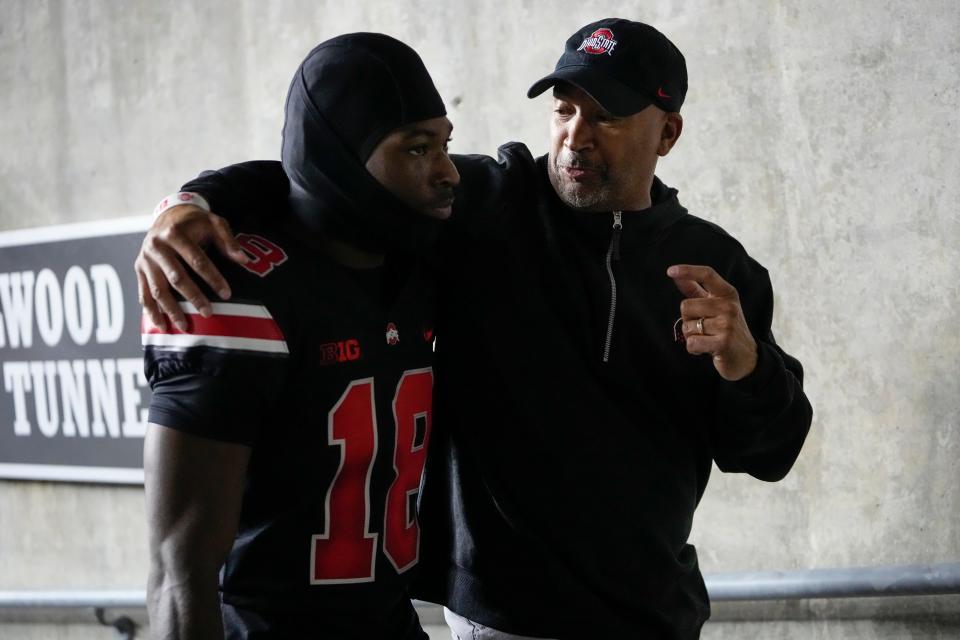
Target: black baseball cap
(623, 65)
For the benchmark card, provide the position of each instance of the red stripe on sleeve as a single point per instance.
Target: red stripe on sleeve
(218, 325)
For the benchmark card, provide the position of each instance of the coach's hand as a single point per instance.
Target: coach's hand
(713, 320)
(176, 239)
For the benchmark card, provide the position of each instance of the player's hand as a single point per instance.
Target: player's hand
(176, 239)
(713, 306)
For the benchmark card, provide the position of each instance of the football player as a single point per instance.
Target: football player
(289, 425)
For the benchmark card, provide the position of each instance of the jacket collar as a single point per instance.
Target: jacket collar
(639, 227)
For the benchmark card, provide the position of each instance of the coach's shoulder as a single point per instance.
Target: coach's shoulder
(694, 240)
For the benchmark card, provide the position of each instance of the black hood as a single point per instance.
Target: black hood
(346, 96)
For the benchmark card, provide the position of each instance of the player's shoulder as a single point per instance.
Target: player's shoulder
(259, 317)
(276, 256)
(271, 255)
(276, 274)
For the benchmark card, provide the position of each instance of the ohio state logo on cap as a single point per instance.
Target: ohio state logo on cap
(599, 42)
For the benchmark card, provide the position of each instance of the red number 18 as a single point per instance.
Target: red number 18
(346, 551)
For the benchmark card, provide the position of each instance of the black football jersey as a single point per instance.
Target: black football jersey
(326, 373)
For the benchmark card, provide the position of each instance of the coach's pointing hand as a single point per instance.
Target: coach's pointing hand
(713, 320)
(179, 234)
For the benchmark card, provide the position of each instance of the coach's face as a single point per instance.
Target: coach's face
(412, 163)
(601, 162)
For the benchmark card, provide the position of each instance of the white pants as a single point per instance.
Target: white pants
(463, 629)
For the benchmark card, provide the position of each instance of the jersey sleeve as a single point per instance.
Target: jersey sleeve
(248, 191)
(764, 418)
(222, 378)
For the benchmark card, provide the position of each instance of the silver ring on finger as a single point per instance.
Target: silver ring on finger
(700, 327)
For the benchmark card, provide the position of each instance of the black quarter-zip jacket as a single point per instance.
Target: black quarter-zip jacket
(576, 436)
(573, 437)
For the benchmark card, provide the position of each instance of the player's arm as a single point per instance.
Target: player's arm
(213, 388)
(177, 238)
(193, 488)
(763, 414)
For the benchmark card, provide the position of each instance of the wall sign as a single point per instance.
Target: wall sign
(74, 399)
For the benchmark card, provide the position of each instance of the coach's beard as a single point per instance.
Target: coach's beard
(577, 195)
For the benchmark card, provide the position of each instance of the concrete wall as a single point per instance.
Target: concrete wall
(823, 134)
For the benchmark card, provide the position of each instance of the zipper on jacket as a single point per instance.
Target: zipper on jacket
(613, 255)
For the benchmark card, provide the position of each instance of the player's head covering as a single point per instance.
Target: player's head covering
(623, 65)
(347, 95)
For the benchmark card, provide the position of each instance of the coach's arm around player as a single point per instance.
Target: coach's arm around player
(193, 487)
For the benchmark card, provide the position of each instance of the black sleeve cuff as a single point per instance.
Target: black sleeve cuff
(769, 363)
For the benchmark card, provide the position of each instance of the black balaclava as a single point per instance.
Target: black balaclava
(348, 94)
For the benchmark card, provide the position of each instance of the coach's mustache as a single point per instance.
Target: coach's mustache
(572, 160)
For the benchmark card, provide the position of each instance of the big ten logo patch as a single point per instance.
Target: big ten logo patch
(264, 255)
(340, 351)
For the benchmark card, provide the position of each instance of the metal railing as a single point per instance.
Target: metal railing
(853, 582)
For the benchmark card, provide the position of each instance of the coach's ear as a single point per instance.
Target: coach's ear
(670, 132)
